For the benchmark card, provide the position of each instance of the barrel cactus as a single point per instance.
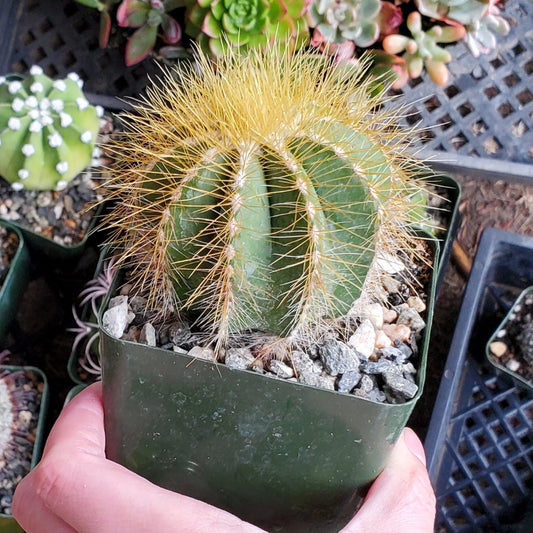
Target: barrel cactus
(47, 130)
(245, 24)
(260, 195)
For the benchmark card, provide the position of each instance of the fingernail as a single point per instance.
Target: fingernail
(413, 443)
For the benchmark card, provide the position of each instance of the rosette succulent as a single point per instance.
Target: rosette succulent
(47, 130)
(247, 24)
(422, 48)
(261, 195)
(340, 25)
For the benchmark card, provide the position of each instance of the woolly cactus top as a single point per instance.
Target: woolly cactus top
(47, 130)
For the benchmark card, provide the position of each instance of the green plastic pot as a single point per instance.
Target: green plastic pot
(16, 280)
(519, 380)
(7, 523)
(282, 455)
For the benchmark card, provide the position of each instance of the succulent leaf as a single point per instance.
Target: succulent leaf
(257, 195)
(47, 130)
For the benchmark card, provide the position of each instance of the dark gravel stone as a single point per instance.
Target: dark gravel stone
(348, 381)
(338, 357)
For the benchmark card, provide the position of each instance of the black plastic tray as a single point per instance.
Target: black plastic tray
(480, 440)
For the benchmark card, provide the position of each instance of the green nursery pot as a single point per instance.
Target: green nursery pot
(282, 455)
(7, 523)
(13, 287)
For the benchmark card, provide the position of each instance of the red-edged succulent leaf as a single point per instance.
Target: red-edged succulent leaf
(171, 30)
(132, 13)
(140, 44)
(105, 29)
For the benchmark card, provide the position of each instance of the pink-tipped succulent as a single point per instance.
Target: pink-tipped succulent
(422, 48)
(247, 24)
(147, 16)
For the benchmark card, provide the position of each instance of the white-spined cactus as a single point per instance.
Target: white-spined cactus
(257, 195)
(47, 130)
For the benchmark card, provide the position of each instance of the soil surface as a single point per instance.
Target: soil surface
(39, 336)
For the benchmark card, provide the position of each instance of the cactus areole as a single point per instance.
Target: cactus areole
(257, 195)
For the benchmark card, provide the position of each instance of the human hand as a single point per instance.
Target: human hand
(76, 489)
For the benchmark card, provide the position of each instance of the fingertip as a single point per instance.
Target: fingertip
(414, 444)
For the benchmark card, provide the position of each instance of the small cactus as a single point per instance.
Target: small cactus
(422, 49)
(257, 196)
(47, 130)
(247, 24)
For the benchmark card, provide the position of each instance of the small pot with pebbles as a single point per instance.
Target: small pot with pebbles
(14, 270)
(510, 348)
(23, 401)
(266, 337)
(49, 162)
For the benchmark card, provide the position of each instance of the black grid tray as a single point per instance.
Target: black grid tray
(486, 108)
(62, 36)
(480, 440)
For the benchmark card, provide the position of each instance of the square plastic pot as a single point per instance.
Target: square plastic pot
(479, 443)
(16, 280)
(7, 523)
(282, 455)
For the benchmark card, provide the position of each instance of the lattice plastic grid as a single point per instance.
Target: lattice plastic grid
(62, 37)
(486, 108)
(485, 477)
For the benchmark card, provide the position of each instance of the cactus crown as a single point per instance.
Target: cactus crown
(258, 194)
(47, 130)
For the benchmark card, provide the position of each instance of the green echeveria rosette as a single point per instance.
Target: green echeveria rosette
(48, 130)
(336, 22)
(245, 24)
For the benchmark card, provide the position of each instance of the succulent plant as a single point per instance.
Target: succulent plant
(47, 130)
(247, 24)
(257, 196)
(343, 24)
(104, 6)
(422, 49)
(147, 16)
(481, 19)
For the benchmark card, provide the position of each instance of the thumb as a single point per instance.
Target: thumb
(401, 499)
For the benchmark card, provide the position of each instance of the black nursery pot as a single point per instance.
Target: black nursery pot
(282, 455)
(13, 286)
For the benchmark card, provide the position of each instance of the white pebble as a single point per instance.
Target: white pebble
(364, 338)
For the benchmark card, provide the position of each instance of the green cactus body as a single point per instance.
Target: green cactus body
(257, 199)
(47, 131)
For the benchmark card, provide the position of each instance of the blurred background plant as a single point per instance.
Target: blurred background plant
(405, 36)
